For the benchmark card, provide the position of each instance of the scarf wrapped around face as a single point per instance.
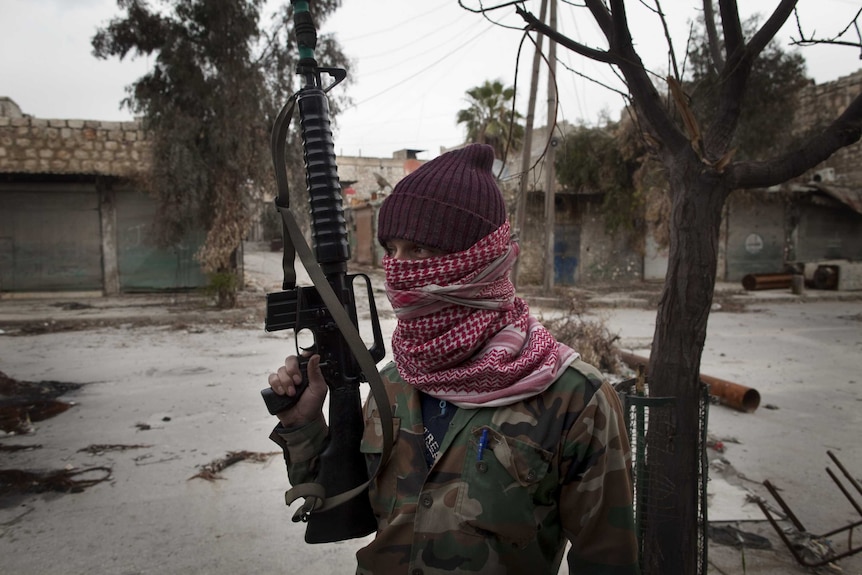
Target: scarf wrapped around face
(462, 335)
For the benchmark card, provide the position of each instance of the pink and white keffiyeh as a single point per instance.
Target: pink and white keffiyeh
(463, 335)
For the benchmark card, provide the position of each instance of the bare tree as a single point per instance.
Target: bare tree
(701, 172)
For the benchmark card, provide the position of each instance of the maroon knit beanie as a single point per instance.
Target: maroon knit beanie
(449, 203)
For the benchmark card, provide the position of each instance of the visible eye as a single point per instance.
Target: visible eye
(407, 250)
(423, 252)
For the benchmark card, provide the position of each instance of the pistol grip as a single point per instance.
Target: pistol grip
(276, 403)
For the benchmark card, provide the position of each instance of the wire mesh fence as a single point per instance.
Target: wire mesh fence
(637, 406)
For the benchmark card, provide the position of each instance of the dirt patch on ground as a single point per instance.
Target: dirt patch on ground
(180, 311)
(23, 402)
(18, 482)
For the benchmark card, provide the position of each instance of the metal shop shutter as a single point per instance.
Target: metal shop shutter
(143, 266)
(50, 238)
(755, 239)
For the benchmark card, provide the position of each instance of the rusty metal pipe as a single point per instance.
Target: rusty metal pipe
(732, 394)
(826, 277)
(753, 282)
(728, 393)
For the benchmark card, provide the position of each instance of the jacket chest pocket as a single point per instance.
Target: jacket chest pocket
(500, 486)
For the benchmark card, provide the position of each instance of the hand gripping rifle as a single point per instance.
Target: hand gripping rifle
(336, 506)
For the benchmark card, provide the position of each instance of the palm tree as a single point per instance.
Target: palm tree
(490, 118)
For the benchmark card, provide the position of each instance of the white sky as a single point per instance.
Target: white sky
(413, 62)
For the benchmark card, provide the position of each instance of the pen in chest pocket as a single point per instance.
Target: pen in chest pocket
(483, 443)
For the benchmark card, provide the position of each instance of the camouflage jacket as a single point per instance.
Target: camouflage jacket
(556, 468)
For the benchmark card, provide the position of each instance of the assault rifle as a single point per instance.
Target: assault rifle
(336, 505)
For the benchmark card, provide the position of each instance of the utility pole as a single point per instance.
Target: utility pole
(527, 152)
(550, 172)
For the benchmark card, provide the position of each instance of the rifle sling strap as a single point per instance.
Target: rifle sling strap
(315, 498)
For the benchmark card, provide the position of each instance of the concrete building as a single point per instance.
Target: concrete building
(71, 218)
(802, 225)
(812, 222)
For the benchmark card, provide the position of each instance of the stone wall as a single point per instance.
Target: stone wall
(87, 147)
(607, 259)
(601, 258)
(374, 175)
(46, 146)
(819, 105)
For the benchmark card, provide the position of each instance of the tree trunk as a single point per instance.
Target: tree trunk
(670, 539)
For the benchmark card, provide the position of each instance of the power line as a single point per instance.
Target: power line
(422, 70)
(388, 28)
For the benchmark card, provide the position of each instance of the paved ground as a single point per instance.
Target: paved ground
(169, 391)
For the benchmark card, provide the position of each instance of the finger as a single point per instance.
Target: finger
(287, 381)
(291, 366)
(276, 384)
(284, 376)
(316, 382)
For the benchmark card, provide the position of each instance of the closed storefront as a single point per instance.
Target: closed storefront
(50, 238)
(143, 265)
(71, 217)
(756, 234)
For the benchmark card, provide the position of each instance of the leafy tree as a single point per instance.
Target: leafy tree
(702, 170)
(490, 119)
(604, 159)
(217, 82)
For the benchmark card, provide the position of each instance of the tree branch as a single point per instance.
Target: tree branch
(658, 11)
(731, 27)
(768, 31)
(712, 35)
(644, 94)
(622, 37)
(588, 78)
(623, 55)
(844, 131)
(591, 53)
(482, 10)
(735, 75)
(667, 36)
(811, 41)
(601, 16)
